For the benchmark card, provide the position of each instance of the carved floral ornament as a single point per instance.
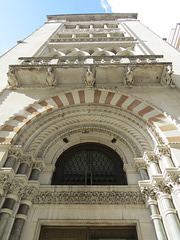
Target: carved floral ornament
(90, 197)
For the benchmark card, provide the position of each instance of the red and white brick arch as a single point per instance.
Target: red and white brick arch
(168, 129)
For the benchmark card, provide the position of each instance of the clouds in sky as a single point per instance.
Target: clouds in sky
(159, 15)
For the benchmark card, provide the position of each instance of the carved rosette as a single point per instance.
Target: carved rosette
(82, 197)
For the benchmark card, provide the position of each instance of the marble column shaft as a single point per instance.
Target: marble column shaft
(157, 222)
(143, 174)
(170, 215)
(34, 174)
(5, 214)
(10, 162)
(19, 222)
(23, 168)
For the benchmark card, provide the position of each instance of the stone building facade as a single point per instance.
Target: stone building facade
(90, 138)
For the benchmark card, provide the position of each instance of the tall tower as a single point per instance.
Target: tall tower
(90, 139)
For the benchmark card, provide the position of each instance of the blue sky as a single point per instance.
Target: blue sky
(19, 18)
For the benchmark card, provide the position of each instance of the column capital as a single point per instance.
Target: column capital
(38, 165)
(140, 163)
(150, 157)
(163, 150)
(26, 159)
(29, 191)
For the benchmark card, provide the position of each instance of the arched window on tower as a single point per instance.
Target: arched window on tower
(89, 164)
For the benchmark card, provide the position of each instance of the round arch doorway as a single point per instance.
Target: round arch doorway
(89, 164)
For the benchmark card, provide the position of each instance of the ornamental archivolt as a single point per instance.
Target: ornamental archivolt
(96, 129)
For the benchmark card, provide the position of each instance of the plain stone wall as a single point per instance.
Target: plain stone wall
(61, 214)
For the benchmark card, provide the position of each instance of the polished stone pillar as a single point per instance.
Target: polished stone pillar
(34, 174)
(143, 174)
(11, 162)
(6, 212)
(36, 169)
(169, 215)
(20, 220)
(157, 220)
(23, 168)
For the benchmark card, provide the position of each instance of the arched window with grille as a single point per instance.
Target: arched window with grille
(89, 164)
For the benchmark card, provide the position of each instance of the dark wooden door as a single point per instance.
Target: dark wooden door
(88, 233)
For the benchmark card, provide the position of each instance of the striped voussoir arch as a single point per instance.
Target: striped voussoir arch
(138, 107)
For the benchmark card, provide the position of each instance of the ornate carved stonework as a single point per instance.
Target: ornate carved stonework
(15, 186)
(140, 163)
(84, 197)
(5, 180)
(150, 157)
(28, 192)
(163, 150)
(26, 159)
(15, 152)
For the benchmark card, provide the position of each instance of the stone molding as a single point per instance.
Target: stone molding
(86, 222)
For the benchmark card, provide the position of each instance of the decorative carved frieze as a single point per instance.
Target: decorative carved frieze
(90, 197)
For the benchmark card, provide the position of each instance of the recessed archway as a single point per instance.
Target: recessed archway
(89, 164)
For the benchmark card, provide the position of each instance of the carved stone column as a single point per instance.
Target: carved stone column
(152, 161)
(6, 212)
(168, 212)
(141, 167)
(20, 220)
(11, 162)
(27, 192)
(156, 218)
(36, 169)
(25, 163)
(165, 157)
(173, 181)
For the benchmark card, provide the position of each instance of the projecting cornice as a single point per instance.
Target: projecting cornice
(94, 17)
